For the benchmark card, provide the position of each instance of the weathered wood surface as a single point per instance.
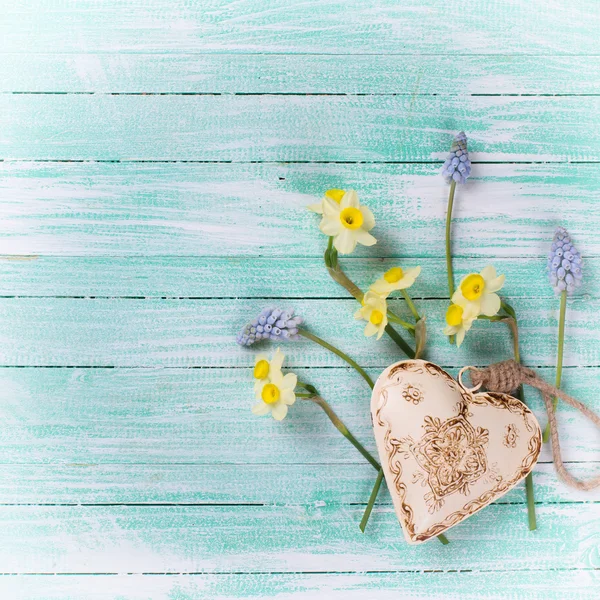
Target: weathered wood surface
(155, 162)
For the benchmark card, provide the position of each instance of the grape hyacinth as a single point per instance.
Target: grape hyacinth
(457, 166)
(271, 324)
(564, 263)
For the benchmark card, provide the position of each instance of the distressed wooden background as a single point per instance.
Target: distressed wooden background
(157, 156)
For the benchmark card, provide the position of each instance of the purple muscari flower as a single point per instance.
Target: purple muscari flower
(457, 166)
(564, 263)
(271, 324)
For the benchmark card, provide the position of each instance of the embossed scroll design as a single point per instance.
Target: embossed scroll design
(395, 448)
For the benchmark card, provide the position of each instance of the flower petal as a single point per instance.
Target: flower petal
(350, 200)
(330, 207)
(368, 218)
(490, 304)
(288, 397)
(344, 242)
(495, 284)
(488, 273)
(277, 360)
(381, 287)
(279, 411)
(450, 330)
(289, 382)
(330, 225)
(364, 237)
(260, 409)
(370, 329)
(317, 207)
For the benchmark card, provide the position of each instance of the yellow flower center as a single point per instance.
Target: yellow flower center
(472, 286)
(376, 317)
(351, 218)
(454, 315)
(394, 275)
(261, 369)
(335, 195)
(270, 393)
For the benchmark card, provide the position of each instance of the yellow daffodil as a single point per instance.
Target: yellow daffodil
(264, 368)
(395, 279)
(374, 311)
(348, 222)
(334, 194)
(275, 395)
(479, 290)
(459, 318)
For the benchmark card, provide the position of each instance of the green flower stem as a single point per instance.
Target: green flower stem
(371, 503)
(342, 355)
(339, 425)
(529, 492)
(449, 245)
(448, 239)
(396, 319)
(559, 360)
(363, 524)
(336, 273)
(411, 305)
(400, 341)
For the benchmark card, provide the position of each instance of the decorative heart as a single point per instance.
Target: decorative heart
(447, 452)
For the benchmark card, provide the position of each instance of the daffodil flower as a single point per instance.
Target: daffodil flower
(395, 279)
(374, 311)
(348, 222)
(334, 194)
(275, 394)
(479, 290)
(459, 318)
(265, 368)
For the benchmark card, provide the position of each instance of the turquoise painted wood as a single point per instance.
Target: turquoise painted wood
(156, 159)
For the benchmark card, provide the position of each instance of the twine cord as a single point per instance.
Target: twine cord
(506, 376)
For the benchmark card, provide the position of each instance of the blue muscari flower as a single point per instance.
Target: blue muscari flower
(564, 263)
(271, 324)
(457, 166)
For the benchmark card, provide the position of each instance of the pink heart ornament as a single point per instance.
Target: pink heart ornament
(447, 452)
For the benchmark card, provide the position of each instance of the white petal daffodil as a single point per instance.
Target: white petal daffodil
(264, 368)
(459, 318)
(395, 279)
(333, 194)
(275, 392)
(479, 289)
(348, 222)
(374, 311)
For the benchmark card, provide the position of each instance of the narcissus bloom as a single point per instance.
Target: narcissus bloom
(374, 311)
(395, 279)
(265, 368)
(348, 222)
(459, 318)
(275, 391)
(333, 194)
(479, 290)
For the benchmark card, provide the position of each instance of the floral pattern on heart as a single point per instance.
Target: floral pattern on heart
(452, 456)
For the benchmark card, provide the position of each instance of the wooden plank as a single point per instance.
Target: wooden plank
(236, 277)
(526, 585)
(201, 333)
(296, 128)
(259, 209)
(88, 417)
(314, 484)
(84, 72)
(181, 539)
(300, 27)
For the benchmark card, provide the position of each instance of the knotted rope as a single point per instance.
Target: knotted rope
(504, 377)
